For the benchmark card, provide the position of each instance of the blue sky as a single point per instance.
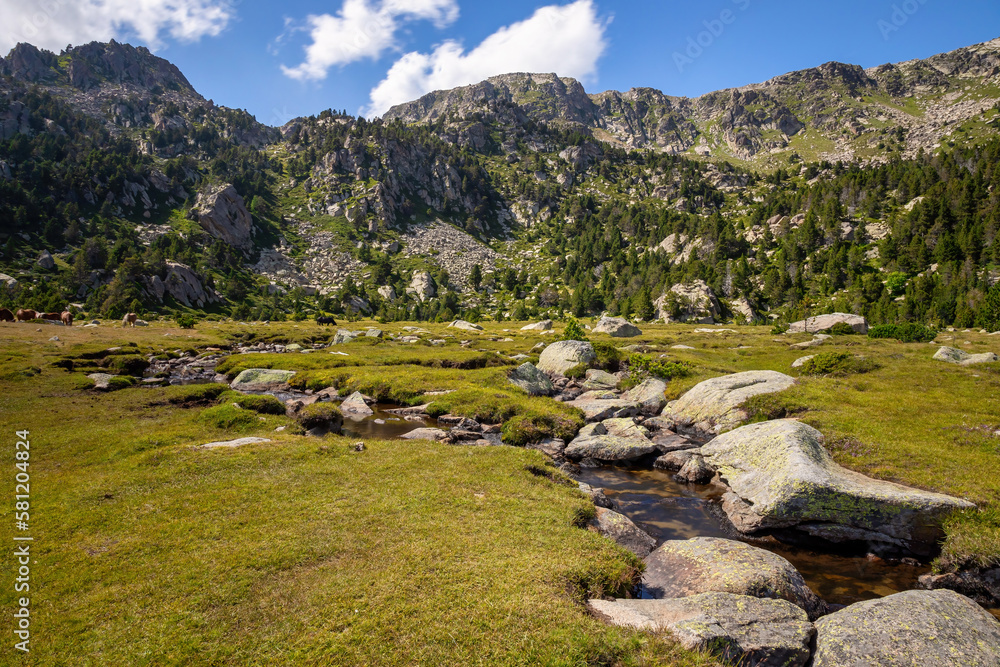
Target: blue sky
(298, 57)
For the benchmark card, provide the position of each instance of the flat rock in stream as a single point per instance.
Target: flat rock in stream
(261, 379)
(714, 406)
(736, 628)
(781, 476)
(912, 628)
(623, 531)
(611, 440)
(354, 406)
(679, 568)
(425, 434)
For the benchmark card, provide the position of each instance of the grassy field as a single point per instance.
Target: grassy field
(301, 551)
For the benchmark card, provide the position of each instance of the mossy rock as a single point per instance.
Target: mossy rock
(263, 404)
(320, 415)
(229, 417)
(126, 364)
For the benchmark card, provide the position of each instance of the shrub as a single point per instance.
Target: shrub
(229, 417)
(264, 404)
(765, 407)
(838, 363)
(779, 329)
(574, 331)
(842, 329)
(127, 364)
(120, 382)
(644, 365)
(533, 427)
(319, 415)
(609, 357)
(906, 333)
(577, 372)
(186, 321)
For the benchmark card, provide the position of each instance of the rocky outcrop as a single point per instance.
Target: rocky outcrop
(715, 406)
(909, 628)
(824, 322)
(422, 286)
(620, 529)
(736, 628)
(693, 302)
(563, 355)
(221, 212)
(184, 285)
(617, 327)
(780, 476)
(679, 568)
(531, 380)
(953, 355)
(261, 379)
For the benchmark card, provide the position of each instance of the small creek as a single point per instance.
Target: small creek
(670, 510)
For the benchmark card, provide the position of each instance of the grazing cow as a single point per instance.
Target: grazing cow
(24, 315)
(50, 316)
(6, 315)
(129, 320)
(67, 318)
(326, 320)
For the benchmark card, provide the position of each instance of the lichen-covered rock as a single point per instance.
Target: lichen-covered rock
(679, 568)
(617, 327)
(695, 471)
(598, 380)
(781, 476)
(824, 322)
(674, 460)
(532, 380)
(912, 628)
(425, 434)
(563, 355)
(736, 628)
(342, 336)
(620, 528)
(713, 406)
(261, 379)
(649, 395)
(221, 212)
(963, 358)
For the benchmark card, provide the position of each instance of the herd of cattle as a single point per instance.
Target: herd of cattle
(66, 317)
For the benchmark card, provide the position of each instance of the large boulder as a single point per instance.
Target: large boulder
(692, 302)
(467, 326)
(611, 440)
(617, 327)
(649, 395)
(422, 286)
(679, 568)
(781, 476)
(563, 355)
(962, 358)
(532, 380)
(544, 325)
(620, 529)
(221, 212)
(824, 322)
(912, 628)
(737, 628)
(45, 261)
(596, 379)
(714, 406)
(185, 287)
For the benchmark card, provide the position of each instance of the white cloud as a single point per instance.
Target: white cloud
(566, 39)
(362, 29)
(52, 24)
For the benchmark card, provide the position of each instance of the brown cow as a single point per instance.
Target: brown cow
(6, 315)
(51, 316)
(25, 315)
(130, 319)
(67, 318)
